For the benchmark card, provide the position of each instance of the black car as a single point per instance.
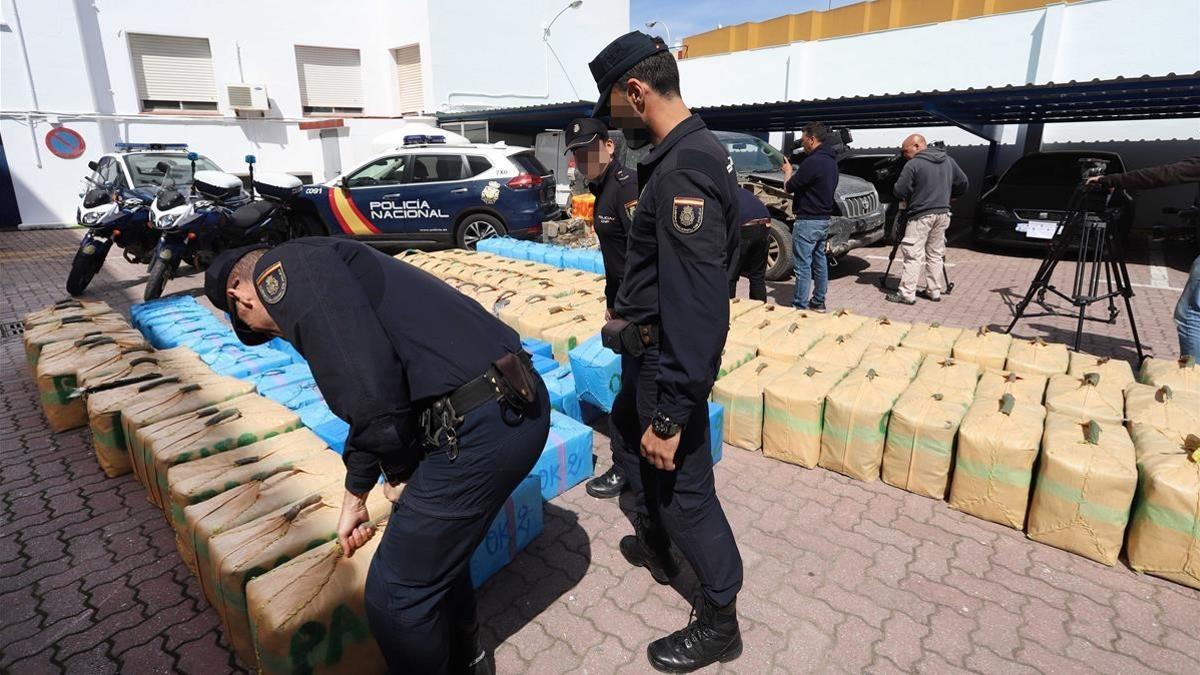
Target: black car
(1030, 201)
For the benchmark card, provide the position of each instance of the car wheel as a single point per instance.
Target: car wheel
(779, 252)
(476, 227)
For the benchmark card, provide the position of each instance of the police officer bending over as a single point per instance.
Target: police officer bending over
(616, 191)
(438, 395)
(673, 315)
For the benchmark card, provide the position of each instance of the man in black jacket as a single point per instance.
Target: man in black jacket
(752, 254)
(929, 181)
(438, 395)
(812, 183)
(1187, 310)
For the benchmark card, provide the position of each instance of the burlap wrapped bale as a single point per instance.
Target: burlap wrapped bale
(248, 551)
(791, 340)
(932, 339)
(568, 335)
(60, 363)
(65, 309)
(1181, 374)
(741, 395)
(983, 347)
(1114, 371)
(843, 322)
(883, 331)
(69, 328)
(208, 431)
(109, 392)
(756, 333)
(794, 411)
(1085, 484)
(1026, 388)
(842, 350)
(920, 438)
(1086, 397)
(193, 482)
(774, 313)
(1164, 532)
(541, 316)
(245, 503)
(509, 308)
(739, 306)
(998, 443)
(308, 615)
(949, 373)
(1176, 413)
(856, 418)
(891, 360)
(733, 356)
(1037, 357)
(169, 397)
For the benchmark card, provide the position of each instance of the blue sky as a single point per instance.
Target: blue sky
(688, 17)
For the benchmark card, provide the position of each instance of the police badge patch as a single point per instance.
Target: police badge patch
(272, 284)
(630, 207)
(687, 214)
(491, 193)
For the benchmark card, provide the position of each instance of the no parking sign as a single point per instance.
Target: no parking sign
(65, 143)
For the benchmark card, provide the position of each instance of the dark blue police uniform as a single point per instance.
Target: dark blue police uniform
(384, 340)
(755, 221)
(616, 197)
(682, 243)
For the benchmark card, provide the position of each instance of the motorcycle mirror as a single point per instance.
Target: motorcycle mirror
(192, 156)
(93, 165)
(251, 159)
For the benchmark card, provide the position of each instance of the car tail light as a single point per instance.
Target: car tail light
(524, 181)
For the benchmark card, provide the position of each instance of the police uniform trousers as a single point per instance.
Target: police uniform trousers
(684, 501)
(419, 598)
(752, 261)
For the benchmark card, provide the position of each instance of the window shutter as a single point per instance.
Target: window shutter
(329, 77)
(173, 68)
(410, 86)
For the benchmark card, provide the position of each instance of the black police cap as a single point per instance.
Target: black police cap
(216, 280)
(584, 130)
(617, 58)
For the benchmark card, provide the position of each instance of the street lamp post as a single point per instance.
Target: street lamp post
(666, 29)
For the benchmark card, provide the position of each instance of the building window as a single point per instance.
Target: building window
(173, 73)
(410, 87)
(330, 80)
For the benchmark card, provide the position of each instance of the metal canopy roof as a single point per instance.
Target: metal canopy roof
(976, 110)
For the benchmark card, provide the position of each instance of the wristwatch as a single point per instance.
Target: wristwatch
(664, 427)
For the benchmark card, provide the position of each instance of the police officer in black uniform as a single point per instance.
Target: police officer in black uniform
(752, 253)
(616, 191)
(673, 316)
(438, 395)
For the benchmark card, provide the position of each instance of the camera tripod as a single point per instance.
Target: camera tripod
(1099, 252)
(902, 217)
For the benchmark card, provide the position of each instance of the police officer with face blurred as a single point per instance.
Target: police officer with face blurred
(672, 316)
(616, 191)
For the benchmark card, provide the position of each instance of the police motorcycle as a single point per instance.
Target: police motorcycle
(274, 215)
(112, 216)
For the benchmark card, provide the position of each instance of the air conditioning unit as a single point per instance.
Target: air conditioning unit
(248, 97)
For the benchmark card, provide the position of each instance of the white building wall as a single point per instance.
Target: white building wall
(83, 77)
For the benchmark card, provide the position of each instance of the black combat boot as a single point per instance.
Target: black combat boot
(650, 547)
(607, 485)
(468, 657)
(712, 635)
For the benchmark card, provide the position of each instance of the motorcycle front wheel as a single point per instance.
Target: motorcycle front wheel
(83, 269)
(156, 279)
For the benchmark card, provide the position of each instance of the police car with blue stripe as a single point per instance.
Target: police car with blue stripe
(428, 193)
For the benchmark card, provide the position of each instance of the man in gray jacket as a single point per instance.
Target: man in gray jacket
(927, 184)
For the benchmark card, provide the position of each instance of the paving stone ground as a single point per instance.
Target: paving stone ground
(840, 575)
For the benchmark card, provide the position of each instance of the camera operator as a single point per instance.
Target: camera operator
(927, 183)
(1187, 310)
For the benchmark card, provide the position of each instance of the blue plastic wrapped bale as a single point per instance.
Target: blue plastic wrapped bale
(166, 331)
(538, 347)
(201, 339)
(544, 365)
(493, 245)
(518, 523)
(597, 262)
(716, 430)
(273, 378)
(566, 460)
(296, 395)
(237, 360)
(327, 426)
(597, 371)
(145, 309)
(281, 345)
(563, 396)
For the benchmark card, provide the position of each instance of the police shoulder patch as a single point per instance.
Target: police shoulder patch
(687, 214)
(630, 207)
(272, 283)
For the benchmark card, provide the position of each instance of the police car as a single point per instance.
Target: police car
(430, 193)
(135, 166)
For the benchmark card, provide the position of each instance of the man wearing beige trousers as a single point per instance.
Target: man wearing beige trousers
(927, 184)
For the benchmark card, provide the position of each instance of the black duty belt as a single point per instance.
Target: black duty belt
(444, 415)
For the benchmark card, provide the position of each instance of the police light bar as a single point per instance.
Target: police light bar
(422, 139)
(126, 147)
